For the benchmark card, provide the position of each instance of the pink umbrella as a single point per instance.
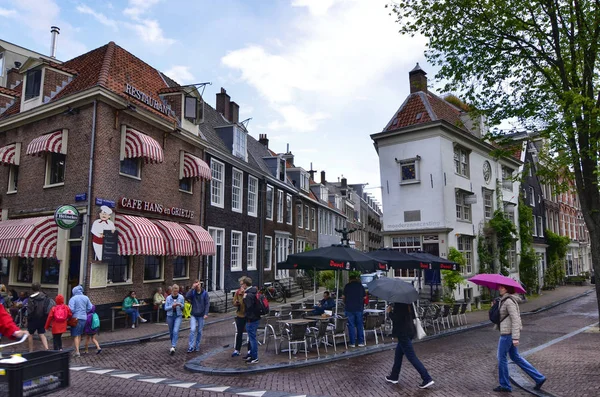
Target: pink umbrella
(493, 281)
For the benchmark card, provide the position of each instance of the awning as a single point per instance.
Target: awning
(203, 242)
(139, 236)
(9, 154)
(141, 145)
(194, 167)
(28, 237)
(48, 143)
(178, 240)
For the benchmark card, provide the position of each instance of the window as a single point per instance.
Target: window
(324, 193)
(239, 143)
(55, 168)
(152, 268)
(25, 270)
(463, 210)
(280, 206)
(512, 255)
(306, 217)
(300, 245)
(290, 246)
(299, 215)
(288, 209)
(281, 247)
(180, 267)
(50, 269)
(118, 271)
(33, 84)
(407, 244)
(465, 246)
(270, 202)
(251, 251)
(314, 219)
(2, 64)
(540, 226)
(236, 250)
(461, 161)
(13, 178)
(216, 183)
(507, 182)
(268, 252)
(488, 204)
(409, 170)
(237, 185)
(252, 196)
(282, 169)
(531, 197)
(185, 185)
(131, 167)
(304, 181)
(534, 226)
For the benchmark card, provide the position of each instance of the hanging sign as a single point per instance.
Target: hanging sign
(66, 217)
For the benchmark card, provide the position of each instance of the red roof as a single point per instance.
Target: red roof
(8, 91)
(422, 107)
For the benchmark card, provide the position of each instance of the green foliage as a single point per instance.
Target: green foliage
(354, 273)
(327, 278)
(528, 267)
(557, 251)
(485, 253)
(505, 232)
(452, 278)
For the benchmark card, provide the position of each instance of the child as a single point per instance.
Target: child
(57, 318)
(90, 333)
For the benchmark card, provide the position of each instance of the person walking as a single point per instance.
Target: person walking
(402, 316)
(353, 296)
(90, 331)
(510, 332)
(57, 319)
(38, 307)
(200, 302)
(130, 306)
(252, 319)
(80, 305)
(240, 317)
(174, 308)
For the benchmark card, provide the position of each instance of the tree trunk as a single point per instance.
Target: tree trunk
(595, 247)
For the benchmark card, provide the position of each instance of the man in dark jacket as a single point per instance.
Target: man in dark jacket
(354, 295)
(200, 305)
(402, 316)
(252, 319)
(327, 303)
(38, 307)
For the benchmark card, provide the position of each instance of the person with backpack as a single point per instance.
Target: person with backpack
(57, 319)
(200, 302)
(509, 324)
(92, 325)
(174, 308)
(80, 305)
(253, 309)
(38, 308)
(240, 317)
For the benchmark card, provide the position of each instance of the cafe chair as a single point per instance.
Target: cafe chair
(319, 334)
(273, 331)
(372, 324)
(462, 315)
(446, 311)
(296, 306)
(295, 334)
(455, 314)
(338, 330)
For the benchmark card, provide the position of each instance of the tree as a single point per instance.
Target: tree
(453, 278)
(535, 61)
(528, 266)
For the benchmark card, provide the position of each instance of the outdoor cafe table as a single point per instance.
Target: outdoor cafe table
(302, 310)
(376, 311)
(317, 318)
(297, 321)
(115, 309)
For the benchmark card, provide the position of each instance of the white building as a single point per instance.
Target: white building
(439, 182)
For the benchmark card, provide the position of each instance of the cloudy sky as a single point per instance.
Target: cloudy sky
(319, 75)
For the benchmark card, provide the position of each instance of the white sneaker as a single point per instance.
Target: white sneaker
(142, 319)
(133, 326)
(172, 351)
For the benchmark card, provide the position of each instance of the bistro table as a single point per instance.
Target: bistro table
(373, 311)
(297, 321)
(317, 318)
(119, 308)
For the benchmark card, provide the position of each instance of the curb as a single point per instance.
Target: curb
(195, 365)
(519, 380)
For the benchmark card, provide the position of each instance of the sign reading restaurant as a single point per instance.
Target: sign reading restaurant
(155, 208)
(148, 100)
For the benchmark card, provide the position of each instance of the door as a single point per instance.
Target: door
(216, 265)
(74, 266)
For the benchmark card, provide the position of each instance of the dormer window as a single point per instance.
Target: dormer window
(239, 143)
(281, 173)
(324, 193)
(304, 181)
(33, 84)
(1, 64)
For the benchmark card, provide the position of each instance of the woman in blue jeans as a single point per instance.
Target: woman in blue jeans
(402, 316)
(130, 306)
(174, 308)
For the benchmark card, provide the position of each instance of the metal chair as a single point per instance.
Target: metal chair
(338, 330)
(372, 324)
(295, 334)
(433, 317)
(445, 315)
(319, 333)
(463, 311)
(273, 330)
(236, 334)
(296, 305)
(455, 314)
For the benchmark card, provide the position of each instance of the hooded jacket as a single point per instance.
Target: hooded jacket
(36, 307)
(509, 311)
(88, 322)
(200, 302)
(250, 303)
(58, 327)
(79, 304)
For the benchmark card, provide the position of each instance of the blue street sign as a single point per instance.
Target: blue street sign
(81, 197)
(98, 201)
(108, 203)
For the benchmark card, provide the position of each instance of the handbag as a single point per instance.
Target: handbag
(419, 327)
(72, 322)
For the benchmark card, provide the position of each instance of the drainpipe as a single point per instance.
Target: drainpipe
(261, 228)
(86, 234)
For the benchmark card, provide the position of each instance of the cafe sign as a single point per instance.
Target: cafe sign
(148, 100)
(154, 208)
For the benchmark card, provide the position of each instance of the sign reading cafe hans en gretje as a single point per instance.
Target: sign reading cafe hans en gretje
(147, 206)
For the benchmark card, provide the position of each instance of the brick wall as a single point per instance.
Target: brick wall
(12, 77)
(52, 80)
(4, 100)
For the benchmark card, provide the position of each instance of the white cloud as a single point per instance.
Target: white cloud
(180, 74)
(7, 13)
(139, 7)
(296, 119)
(103, 19)
(316, 7)
(150, 32)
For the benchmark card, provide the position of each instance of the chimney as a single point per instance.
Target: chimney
(344, 187)
(418, 79)
(223, 104)
(13, 77)
(234, 112)
(262, 139)
(323, 180)
(54, 31)
(312, 172)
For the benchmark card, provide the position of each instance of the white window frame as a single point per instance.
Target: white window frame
(138, 168)
(236, 265)
(237, 191)
(251, 251)
(313, 213)
(279, 206)
(488, 204)
(217, 182)
(49, 167)
(464, 244)
(269, 209)
(461, 161)
(512, 256)
(534, 227)
(463, 211)
(540, 226)
(299, 215)
(405, 164)
(269, 259)
(507, 182)
(12, 186)
(252, 196)
(531, 196)
(306, 217)
(240, 143)
(289, 213)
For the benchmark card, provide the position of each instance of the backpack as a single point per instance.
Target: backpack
(262, 304)
(95, 321)
(61, 313)
(49, 303)
(494, 312)
(39, 310)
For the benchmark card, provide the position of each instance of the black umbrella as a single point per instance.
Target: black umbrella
(396, 259)
(393, 290)
(335, 257)
(432, 262)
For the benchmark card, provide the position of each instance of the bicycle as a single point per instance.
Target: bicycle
(273, 292)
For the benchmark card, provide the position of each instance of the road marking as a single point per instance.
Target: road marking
(554, 341)
(152, 380)
(100, 371)
(124, 376)
(219, 389)
(78, 368)
(184, 385)
(252, 393)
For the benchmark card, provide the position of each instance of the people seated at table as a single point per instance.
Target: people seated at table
(130, 306)
(327, 303)
(19, 305)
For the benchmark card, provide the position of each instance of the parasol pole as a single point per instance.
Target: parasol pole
(314, 285)
(337, 292)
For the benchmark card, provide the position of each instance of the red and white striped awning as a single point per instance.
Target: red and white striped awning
(203, 242)
(29, 237)
(139, 236)
(195, 167)
(178, 240)
(9, 155)
(47, 143)
(138, 145)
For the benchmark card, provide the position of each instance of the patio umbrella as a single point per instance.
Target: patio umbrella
(396, 259)
(433, 262)
(393, 290)
(493, 281)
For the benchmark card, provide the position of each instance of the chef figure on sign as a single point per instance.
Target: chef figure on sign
(98, 228)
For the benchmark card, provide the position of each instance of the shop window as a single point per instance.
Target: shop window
(131, 167)
(152, 268)
(50, 270)
(13, 178)
(185, 185)
(25, 270)
(119, 270)
(55, 168)
(180, 267)
(4, 266)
